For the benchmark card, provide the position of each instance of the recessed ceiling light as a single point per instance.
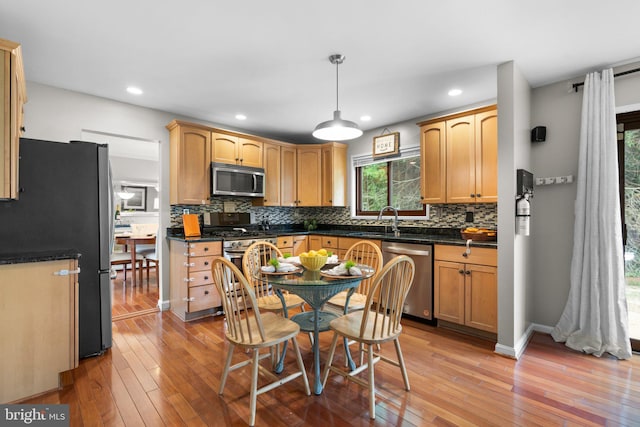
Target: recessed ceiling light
(134, 90)
(455, 92)
(241, 117)
(365, 118)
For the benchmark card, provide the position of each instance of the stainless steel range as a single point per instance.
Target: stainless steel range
(233, 248)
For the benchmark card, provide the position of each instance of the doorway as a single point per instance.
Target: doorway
(135, 169)
(629, 166)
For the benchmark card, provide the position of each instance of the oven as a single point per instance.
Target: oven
(233, 248)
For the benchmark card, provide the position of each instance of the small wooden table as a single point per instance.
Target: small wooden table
(130, 242)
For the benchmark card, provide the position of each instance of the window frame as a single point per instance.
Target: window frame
(365, 160)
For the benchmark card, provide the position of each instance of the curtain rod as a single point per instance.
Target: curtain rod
(623, 73)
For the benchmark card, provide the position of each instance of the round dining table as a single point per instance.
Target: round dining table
(315, 288)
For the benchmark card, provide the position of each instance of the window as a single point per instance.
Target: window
(389, 183)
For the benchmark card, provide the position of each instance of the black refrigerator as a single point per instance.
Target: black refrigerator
(65, 202)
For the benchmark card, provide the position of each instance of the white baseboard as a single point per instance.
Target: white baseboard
(521, 345)
(164, 305)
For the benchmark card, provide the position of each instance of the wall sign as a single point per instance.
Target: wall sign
(386, 145)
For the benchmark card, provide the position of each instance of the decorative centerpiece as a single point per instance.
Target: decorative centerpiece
(314, 260)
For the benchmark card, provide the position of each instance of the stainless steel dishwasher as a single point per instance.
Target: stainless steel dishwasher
(419, 302)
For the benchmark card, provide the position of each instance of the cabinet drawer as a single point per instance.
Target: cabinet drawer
(285, 242)
(197, 278)
(329, 242)
(482, 256)
(203, 248)
(203, 297)
(200, 263)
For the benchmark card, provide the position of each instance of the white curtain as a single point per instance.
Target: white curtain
(595, 317)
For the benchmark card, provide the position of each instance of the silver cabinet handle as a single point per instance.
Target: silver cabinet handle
(188, 279)
(187, 299)
(189, 254)
(65, 272)
(186, 264)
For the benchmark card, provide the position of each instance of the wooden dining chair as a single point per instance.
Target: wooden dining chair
(256, 256)
(377, 325)
(124, 259)
(252, 330)
(362, 252)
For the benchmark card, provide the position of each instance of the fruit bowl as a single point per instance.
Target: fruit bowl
(479, 235)
(313, 263)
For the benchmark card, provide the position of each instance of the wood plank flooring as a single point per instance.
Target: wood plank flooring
(128, 301)
(162, 371)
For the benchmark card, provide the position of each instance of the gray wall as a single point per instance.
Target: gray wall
(559, 108)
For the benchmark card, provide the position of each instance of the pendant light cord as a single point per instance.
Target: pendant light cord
(337, 85)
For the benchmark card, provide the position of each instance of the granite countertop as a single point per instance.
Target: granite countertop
(417, 235)
(38, 256)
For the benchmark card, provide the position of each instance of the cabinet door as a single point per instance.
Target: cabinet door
(315, 243)
(299, 245)
(334, 175)
(449, 291)
(191, 166)
(250, 153)
(288, 176)
(309, 176)
(461, 160)
(5, 125)
(487, 157)
(225, 148)
(271, 164)
(481, 297)
(433, 159)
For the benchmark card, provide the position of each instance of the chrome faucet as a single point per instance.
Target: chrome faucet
(394, 226)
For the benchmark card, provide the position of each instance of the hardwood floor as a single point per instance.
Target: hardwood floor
(162, 371)
(128, 301)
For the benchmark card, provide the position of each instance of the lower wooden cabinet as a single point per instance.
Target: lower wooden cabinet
(294, 245)
(39, 326)
(466, 286)
(193, 294)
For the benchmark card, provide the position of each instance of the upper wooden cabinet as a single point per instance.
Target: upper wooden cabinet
(460, 158)
(236, 150)
(309, 186)
(334, 174)
(189, 163)
(288, 175)
(13, 93)
(271, 164)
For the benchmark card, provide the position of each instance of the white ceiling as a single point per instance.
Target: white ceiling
(212, 59)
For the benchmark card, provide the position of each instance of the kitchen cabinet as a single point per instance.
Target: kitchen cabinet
(271, 163)
(309, 176)
(13, 94)
(190, 147)
(294, 245)
(466, 286)
(236, 150)
(460, 158)
(193, 293)
(433, 179)
(39, 326)
(314, 242)
(288, 175)
(334, 174)
(344, 243)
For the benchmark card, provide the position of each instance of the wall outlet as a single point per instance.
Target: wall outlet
(469, 216)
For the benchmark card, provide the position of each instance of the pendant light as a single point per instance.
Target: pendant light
(337, 129)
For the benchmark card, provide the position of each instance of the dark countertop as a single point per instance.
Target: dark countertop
(446, 236)
(24, 257)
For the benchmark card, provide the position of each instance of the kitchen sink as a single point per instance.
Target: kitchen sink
(370, 235)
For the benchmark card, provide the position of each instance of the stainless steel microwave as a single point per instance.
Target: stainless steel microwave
(235, 180)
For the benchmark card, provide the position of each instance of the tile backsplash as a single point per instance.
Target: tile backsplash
(442, 216)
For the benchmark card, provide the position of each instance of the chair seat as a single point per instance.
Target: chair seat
(146, 251)
(153, 256)
(272, 303)
(356, 302)
(349, 326)
(123, 258)
(277, 329)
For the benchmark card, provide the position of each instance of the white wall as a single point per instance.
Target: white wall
(559, 108)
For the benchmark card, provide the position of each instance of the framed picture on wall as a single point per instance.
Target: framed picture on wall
(386, 145)
(139, 200)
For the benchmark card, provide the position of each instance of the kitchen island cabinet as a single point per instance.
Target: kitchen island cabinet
(13, 94)
(39, 326)
(193, 293)
(466, 286)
